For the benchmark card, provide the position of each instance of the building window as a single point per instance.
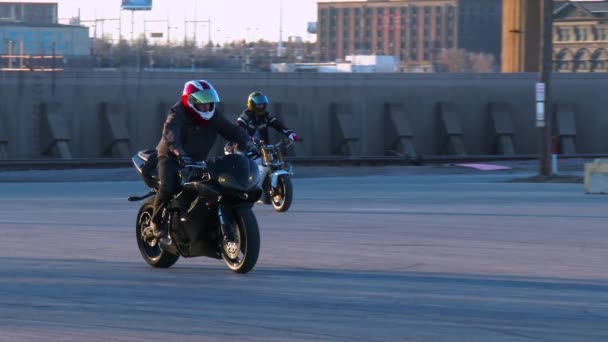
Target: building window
(582, 60)
(566, 34)
(594, 33)
(598, 62)
(563, 66)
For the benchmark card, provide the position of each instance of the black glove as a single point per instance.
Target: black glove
(184, 160)
(252, 151)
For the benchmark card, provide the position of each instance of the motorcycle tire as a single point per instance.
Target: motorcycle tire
(249, 242)
(281, 201)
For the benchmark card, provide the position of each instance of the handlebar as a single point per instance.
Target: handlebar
(194, 170)
(285, 142)
(196, 165)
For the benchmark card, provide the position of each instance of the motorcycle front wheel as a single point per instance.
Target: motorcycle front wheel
(151, 252)
(283, 194)
(242, 257)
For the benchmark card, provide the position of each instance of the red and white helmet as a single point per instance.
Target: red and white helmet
(197, 93)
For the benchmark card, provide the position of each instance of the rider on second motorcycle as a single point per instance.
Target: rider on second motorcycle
(256, 119)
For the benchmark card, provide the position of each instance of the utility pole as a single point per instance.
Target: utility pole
(280, 45)
(132, 27)
(196, 22)
(543, 89)
(168, 32)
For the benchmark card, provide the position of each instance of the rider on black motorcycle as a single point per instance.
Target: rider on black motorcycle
(189, 132)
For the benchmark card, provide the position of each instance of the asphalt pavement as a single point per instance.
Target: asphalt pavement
(431, 253)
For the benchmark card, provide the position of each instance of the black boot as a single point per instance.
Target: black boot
(161, 232)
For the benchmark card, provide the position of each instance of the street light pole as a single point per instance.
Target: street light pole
(543, 89)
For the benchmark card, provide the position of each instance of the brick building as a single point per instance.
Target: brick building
(413, 30)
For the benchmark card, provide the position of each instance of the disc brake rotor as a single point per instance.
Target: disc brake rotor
(231, 248)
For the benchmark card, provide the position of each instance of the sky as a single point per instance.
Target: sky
(230, 19)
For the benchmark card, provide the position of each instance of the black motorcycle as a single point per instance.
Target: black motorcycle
(215, 196)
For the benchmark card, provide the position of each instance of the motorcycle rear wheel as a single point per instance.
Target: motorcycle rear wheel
(153, 255)
(248, 248)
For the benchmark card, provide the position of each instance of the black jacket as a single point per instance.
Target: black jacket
(252, 122)
(182, 132)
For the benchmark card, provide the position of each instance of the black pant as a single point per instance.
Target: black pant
(169, 185)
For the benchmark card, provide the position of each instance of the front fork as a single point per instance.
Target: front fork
(220, 214)
(225, 223)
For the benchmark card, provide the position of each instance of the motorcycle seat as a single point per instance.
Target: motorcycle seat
(150, 158)
(145, 155)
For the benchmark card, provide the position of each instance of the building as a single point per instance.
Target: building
(31, 38)
(479, 26)
(521, 35)
(40, 40)
(413, 30)
(352, 64)
(29, 12)
(580, 36)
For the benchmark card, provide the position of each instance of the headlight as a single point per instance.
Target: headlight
(224, 179)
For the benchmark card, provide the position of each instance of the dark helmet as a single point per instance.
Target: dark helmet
(257, 102)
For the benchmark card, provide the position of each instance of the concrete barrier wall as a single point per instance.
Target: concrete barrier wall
(140, 95)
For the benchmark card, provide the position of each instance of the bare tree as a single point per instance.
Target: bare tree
(482, 62)
(459, 60)
(259, 54)
(452, 60)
